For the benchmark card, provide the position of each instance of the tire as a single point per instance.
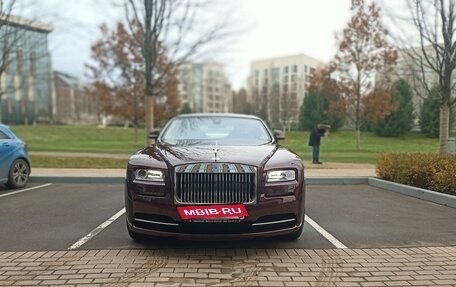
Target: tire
(295, 235)
(18, 174)
(137, 237)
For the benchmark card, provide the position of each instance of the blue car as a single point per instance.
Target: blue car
(14, 159)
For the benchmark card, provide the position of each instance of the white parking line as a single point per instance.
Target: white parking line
(24, 190)
(97, 230)
(325, 234)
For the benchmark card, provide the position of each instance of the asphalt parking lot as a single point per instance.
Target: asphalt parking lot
(46, 217)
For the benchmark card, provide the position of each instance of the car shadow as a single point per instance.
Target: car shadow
(173, 243)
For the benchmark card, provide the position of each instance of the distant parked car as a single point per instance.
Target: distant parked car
(14, 159)
(215, 175)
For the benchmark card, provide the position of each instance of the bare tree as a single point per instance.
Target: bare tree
(435, 57)
(182, 30)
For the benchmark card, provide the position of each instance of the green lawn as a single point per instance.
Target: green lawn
(337, 147)
(80, 139)
(340, 146)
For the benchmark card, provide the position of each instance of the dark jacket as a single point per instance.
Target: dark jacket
(315, 135)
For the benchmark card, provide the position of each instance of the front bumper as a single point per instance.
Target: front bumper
(268, 216)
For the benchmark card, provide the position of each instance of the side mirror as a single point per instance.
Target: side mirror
(153, 135)
(279, 135)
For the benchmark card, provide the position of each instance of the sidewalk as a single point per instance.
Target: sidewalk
(311, 170)
(420, 266)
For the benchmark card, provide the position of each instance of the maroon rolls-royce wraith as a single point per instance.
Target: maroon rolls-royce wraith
(215, 176)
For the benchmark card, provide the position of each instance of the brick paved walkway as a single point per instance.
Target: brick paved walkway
(427, 266)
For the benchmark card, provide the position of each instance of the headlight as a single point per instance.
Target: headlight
(150, 175)
(280, 175)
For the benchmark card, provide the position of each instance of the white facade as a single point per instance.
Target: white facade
(205, 87)
(277, 86)
(409, 69)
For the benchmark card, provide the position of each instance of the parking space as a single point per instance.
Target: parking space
(363, 216)
(58, 216)
(53, 217)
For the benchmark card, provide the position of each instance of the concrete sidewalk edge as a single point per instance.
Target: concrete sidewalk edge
(424, 194)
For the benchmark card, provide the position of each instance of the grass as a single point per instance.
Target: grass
(76, 162)
(338, 147)
(84, 139)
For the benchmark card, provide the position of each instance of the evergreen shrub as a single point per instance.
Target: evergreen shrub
(424, 170)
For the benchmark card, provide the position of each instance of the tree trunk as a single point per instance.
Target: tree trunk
(1, 109)
(136, 131)
(358, 138)
(149, 117)
(444, 128)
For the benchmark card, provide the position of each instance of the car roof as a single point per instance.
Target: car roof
(195, 115)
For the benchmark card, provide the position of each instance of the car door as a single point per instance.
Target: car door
(7, 149)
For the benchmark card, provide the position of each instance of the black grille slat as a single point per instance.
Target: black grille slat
(217, 184)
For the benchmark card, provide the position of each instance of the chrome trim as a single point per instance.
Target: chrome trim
(156, 222)
(216, 168)
(274, 222)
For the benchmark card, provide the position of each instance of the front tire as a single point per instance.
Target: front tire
(137, 237)
(295, 235)
(18, 174)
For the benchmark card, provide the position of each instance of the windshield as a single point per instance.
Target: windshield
(215, 129)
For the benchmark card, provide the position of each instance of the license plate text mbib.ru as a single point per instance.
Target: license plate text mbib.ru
(212, 211)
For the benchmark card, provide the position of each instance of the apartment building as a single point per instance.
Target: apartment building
(409, 69)
(277, 87)
(71, 104)
(204, 87)
(25, 65)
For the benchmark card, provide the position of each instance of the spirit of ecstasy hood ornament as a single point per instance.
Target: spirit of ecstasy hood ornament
(215, 149)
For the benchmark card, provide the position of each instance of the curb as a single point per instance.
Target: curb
(118, 179)
(355, 180)
(424, 194)
(420, 193)
(77, 179)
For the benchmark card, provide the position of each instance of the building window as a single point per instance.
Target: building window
(285, 79)
(305, 68)
(5, 60)
(266, 72)
(20, 61)
(285, 69)
(312, 70)
(33, 63)
(294, 86)
(294, 69)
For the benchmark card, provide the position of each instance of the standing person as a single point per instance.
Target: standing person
(317, 132)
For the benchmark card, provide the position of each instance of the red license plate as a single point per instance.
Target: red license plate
(219, 211)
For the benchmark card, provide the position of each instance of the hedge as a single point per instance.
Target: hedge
(424, 170)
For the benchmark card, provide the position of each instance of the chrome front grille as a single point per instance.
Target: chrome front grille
(214, 183)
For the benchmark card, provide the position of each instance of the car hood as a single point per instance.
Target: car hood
(250, 155)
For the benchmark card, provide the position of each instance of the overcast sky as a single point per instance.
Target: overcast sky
(272, 28)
